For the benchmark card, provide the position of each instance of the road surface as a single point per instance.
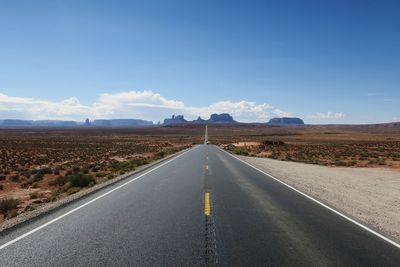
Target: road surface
(203, 207)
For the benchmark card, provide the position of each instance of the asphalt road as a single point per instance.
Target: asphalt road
(201, 208)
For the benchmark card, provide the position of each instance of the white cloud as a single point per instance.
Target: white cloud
(41, 109)
(328, 115)
(144, 97)
(387, 100)
(132, 104)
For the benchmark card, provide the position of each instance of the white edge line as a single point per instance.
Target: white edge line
(319, 202)
(87, 203)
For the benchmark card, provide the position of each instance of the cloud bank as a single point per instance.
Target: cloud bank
(131, 104)
(328, 115)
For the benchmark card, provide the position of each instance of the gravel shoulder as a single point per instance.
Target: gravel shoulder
(369, 195)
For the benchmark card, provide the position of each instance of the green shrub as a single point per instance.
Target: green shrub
(34, 195)
(380, 161)
(46, 170)
(8, 204)
(15, 178)
(60, 181)
(241, 151)
(123, 167)
(341, 163)
(81, 180)
(74, 180)
(38, 177)
(160, 154)
(101, 174)
(138, 162)
(54, 195)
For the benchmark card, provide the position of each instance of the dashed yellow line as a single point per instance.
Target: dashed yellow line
(206, 167)
(207, 204)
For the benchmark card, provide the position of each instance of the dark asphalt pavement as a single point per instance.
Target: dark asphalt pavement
(159, 220)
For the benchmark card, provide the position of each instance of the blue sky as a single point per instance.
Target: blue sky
(324, 61)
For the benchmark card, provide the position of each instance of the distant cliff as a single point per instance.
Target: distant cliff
(214, 118)
(221, 118)
(199, 120)
(178, 119)
(286, 121)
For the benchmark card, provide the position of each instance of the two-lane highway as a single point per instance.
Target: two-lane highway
(203, 207)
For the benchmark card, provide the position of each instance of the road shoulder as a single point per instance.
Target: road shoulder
(370, 196)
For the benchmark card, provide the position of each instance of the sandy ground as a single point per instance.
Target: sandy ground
(241, 144)
(369, 195)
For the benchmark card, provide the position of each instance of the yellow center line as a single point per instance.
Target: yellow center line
(207, 167)
(207, 204)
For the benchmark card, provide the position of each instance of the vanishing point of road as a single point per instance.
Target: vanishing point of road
(203, 207)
